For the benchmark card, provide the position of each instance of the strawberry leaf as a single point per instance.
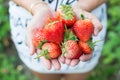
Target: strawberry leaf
(93, 44)
(46, 54)
(69, 35)
(41, 44)
(72, 36)
(43, 53)
(67, 12)
(82, 16)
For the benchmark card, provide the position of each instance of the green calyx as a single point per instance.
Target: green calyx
(82, 16)
(93, 44)
(43, 53)
(67, 12)
(63, 49)
(69, 35)
(41, 44)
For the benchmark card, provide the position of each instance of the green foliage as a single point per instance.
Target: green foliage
(112, 45)
(4, 25)
(8, 71)
(104, 72)
(108, 67)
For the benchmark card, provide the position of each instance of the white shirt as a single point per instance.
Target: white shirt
(20, 18)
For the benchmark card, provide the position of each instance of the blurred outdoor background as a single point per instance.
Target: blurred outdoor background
(11, 68)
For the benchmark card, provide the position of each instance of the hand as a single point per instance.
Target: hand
(97, 28)
(40, 14)
(93, 18)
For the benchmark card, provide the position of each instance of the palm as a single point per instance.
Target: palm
(97, 29)
(37, 21)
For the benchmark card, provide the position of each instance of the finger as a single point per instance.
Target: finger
(62, 59)
(56, 64)
(97, 26)
(67, 61)
(46, 62)
(32, 49)
(74, 62)
(30, 44)
(85, 57)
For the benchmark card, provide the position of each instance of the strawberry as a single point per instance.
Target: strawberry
(70, 47)
(54, 30)
(72, 50)
(38, 37)
(50, 51)
(85, 47)
(83, 28)
(66, 14)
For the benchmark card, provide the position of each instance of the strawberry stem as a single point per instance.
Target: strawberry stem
(43, 53)
(82, 16)
(92, 44)
(69, 35)
(63, 49)
(97, 41)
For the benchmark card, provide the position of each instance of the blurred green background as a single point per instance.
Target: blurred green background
(11, 67)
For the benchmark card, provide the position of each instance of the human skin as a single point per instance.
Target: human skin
(42, 9)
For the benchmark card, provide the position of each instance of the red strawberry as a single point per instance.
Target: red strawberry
(72, 50)
(85, 47)
(50, 51)
(54, 31)
(83, 29)
(38, 37)
(66, 14)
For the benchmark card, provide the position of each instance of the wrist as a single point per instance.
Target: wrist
(38, 6)
(77, 8)
(82, 5)
(89, 5)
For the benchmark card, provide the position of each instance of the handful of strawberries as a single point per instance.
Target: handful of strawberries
(64, 35)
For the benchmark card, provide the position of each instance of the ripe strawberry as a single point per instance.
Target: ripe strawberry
(83, 29)
(50, 51)
(54, 30)
(70, 47)
(85, 47)
(66, 14)
(72, 50)
(38, 37)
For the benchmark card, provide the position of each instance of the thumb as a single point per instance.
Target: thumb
(98, 27)
(32, 48)
(30, 44)
(96, 31)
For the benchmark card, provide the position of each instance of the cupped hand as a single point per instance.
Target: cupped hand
(40, 14)
(97, 28)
